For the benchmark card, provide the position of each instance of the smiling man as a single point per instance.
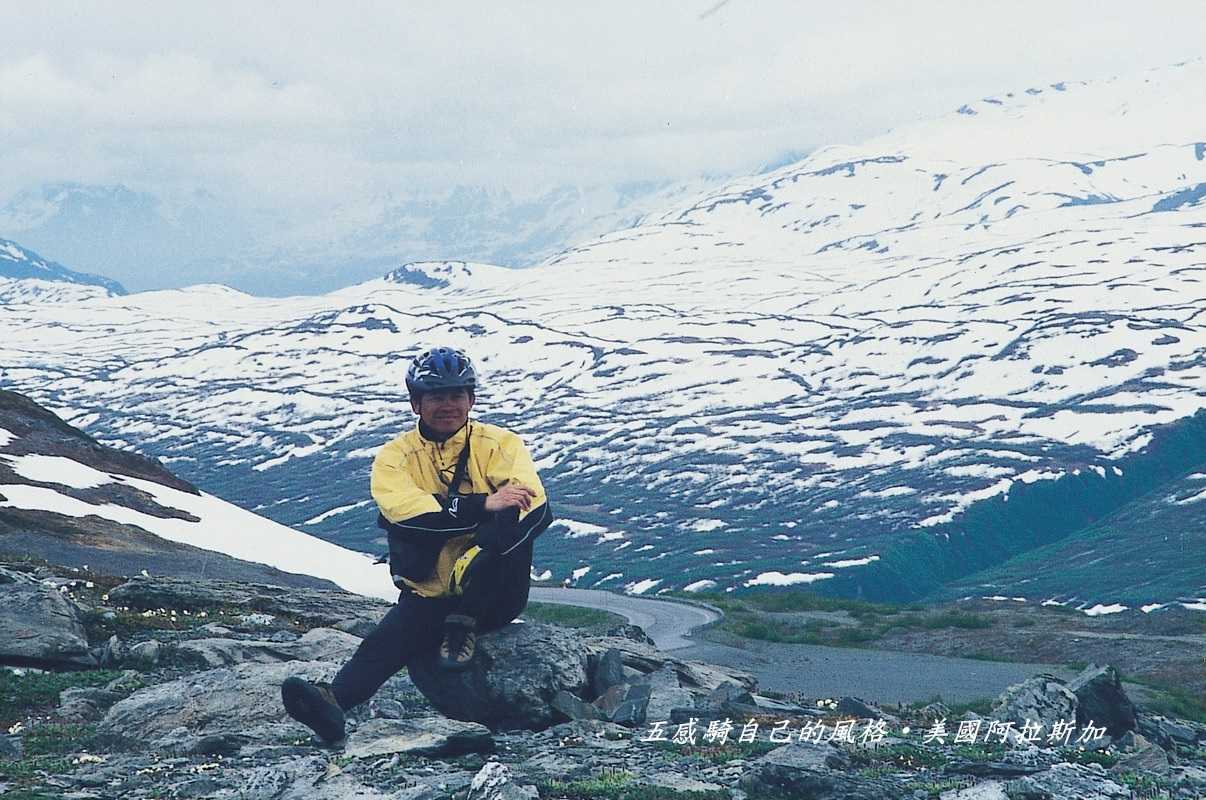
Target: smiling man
(461, 505)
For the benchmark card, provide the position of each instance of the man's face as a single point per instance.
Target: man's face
(445, 410)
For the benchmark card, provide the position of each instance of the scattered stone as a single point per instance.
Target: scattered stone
(425, 736)
(38, 625)
(1102, 701)
(115, 653)
(1068, 782)
(857, 708)
(495, 781)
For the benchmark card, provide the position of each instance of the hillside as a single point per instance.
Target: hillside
(27, 277)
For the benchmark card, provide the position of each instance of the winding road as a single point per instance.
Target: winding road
(881, 676)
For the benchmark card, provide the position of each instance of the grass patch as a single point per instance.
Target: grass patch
(1078, 756)
(59, 739)
(1172, 701)
(719, 753)
(571, 616)
(27, 693)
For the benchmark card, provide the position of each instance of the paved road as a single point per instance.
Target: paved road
(667, 623)
(878, 675)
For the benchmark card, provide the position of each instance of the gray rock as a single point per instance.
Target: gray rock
(626, 704)
(11, 748)
(85, 704)
(1068, 782)
(857, 708)
(1102, 701)
(719, 698)
(38, 625)
(319, 644)
(1043, 699)
(115, 653)
(145, 655)
(1168, 733)
(574, 707)
(424, 736)
(607, 672)
(512, 680)
(495, 781)
(387, 709)
(800, 769)
(232, 700)
(1144, 757)
(633, 633)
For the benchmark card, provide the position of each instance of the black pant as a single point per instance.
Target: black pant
(496, 594)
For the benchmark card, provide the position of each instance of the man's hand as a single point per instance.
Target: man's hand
(511, 496)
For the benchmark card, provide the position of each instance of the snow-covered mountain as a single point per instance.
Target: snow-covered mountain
(66, 498)
(808, 377)
(27, 277)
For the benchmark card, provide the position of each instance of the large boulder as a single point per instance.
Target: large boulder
(1043, 699)
(806, 769)
(344, 611)
(39, 626)
(237, 700)
(319, 644)
(1102, 701)
(513, 679)
(532, 676)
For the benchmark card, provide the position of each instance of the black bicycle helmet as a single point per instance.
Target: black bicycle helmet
(440, 368)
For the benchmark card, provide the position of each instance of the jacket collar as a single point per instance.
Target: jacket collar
(454, 440)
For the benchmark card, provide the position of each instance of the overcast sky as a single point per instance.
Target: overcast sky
(300, 106)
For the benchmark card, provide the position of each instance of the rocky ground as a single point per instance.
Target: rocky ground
(167, 688)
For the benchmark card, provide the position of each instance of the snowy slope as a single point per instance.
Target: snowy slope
(56, 486)
(767, 384)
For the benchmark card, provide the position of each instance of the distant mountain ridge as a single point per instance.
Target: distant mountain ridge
(18, 263)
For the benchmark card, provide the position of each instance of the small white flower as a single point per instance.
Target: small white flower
(89, 585)
(16, 727)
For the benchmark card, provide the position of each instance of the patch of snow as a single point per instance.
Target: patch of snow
(579, 529)
(224, 528)
(1099, 609)
(788, 579)
(640, 587)
(852, 562)
(6, 437)
(579, 572)
(544, 576)
(326, 515)
(699, 586)
(705, 525)
(57, 469)
(1150, 607)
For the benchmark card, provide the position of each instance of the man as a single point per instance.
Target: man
(461, 505)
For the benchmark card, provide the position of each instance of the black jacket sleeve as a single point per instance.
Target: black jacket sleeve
(503, 531)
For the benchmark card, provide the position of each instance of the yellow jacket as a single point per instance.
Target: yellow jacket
(410, 480)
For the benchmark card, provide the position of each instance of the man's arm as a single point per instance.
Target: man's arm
(408, 508)
(507, 529)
